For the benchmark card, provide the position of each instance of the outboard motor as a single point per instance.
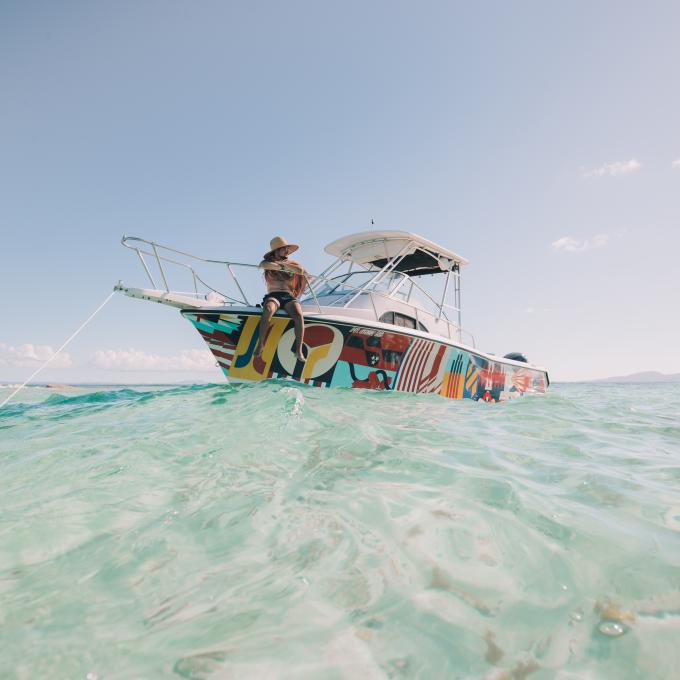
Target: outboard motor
(516, 356)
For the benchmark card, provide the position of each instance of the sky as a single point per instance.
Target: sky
(540, 140)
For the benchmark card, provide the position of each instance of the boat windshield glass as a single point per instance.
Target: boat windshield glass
(350, 283)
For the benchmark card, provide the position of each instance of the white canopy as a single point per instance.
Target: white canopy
(377, 247)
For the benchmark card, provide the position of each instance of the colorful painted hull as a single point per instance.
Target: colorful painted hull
(344, 354)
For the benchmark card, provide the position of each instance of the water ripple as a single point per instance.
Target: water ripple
(280, 531)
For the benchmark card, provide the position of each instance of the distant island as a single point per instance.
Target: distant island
(643, 377)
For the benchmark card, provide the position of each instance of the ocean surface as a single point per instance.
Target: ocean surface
(273, 530)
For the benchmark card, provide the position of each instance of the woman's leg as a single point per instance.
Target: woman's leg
(268, 311)
(295, 311)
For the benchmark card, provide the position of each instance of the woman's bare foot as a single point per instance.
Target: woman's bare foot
(258, 350)
(300, 355)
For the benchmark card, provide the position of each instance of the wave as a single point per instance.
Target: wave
(68, 405)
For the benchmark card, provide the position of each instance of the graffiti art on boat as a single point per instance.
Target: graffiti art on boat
(343, 355)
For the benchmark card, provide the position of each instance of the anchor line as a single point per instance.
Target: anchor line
(66, 342)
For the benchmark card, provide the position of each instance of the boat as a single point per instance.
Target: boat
(384, 315)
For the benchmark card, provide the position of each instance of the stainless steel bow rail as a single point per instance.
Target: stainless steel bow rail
(151, 249)
(157, 259)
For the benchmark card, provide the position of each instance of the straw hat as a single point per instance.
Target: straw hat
(280, 242)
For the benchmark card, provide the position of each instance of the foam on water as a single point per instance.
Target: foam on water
(277, 531)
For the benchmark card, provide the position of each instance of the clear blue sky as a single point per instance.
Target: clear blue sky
(497, 129)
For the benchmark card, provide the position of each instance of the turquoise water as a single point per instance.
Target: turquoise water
(279, 531)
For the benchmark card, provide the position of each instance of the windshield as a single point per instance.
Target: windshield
(350, 283)
(346, 283)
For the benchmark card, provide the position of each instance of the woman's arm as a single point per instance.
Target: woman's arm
(294, 267)
(289, 266)
(274, 266)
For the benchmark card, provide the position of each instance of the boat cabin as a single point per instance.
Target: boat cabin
(391, 277)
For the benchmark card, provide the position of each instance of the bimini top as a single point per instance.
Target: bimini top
(376, 248)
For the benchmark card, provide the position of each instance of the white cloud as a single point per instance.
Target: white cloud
(676, 164)
(138, 360)
(31, 356)
(572, 245)
(613, 169)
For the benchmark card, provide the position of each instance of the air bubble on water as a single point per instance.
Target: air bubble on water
(91, 676)
(611, 628)
(576, 616)
(672, 518)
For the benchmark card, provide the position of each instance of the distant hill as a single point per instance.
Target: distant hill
(643, 377)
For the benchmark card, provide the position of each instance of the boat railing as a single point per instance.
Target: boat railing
(158, 259)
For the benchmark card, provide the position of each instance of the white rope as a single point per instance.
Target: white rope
(28, 380)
